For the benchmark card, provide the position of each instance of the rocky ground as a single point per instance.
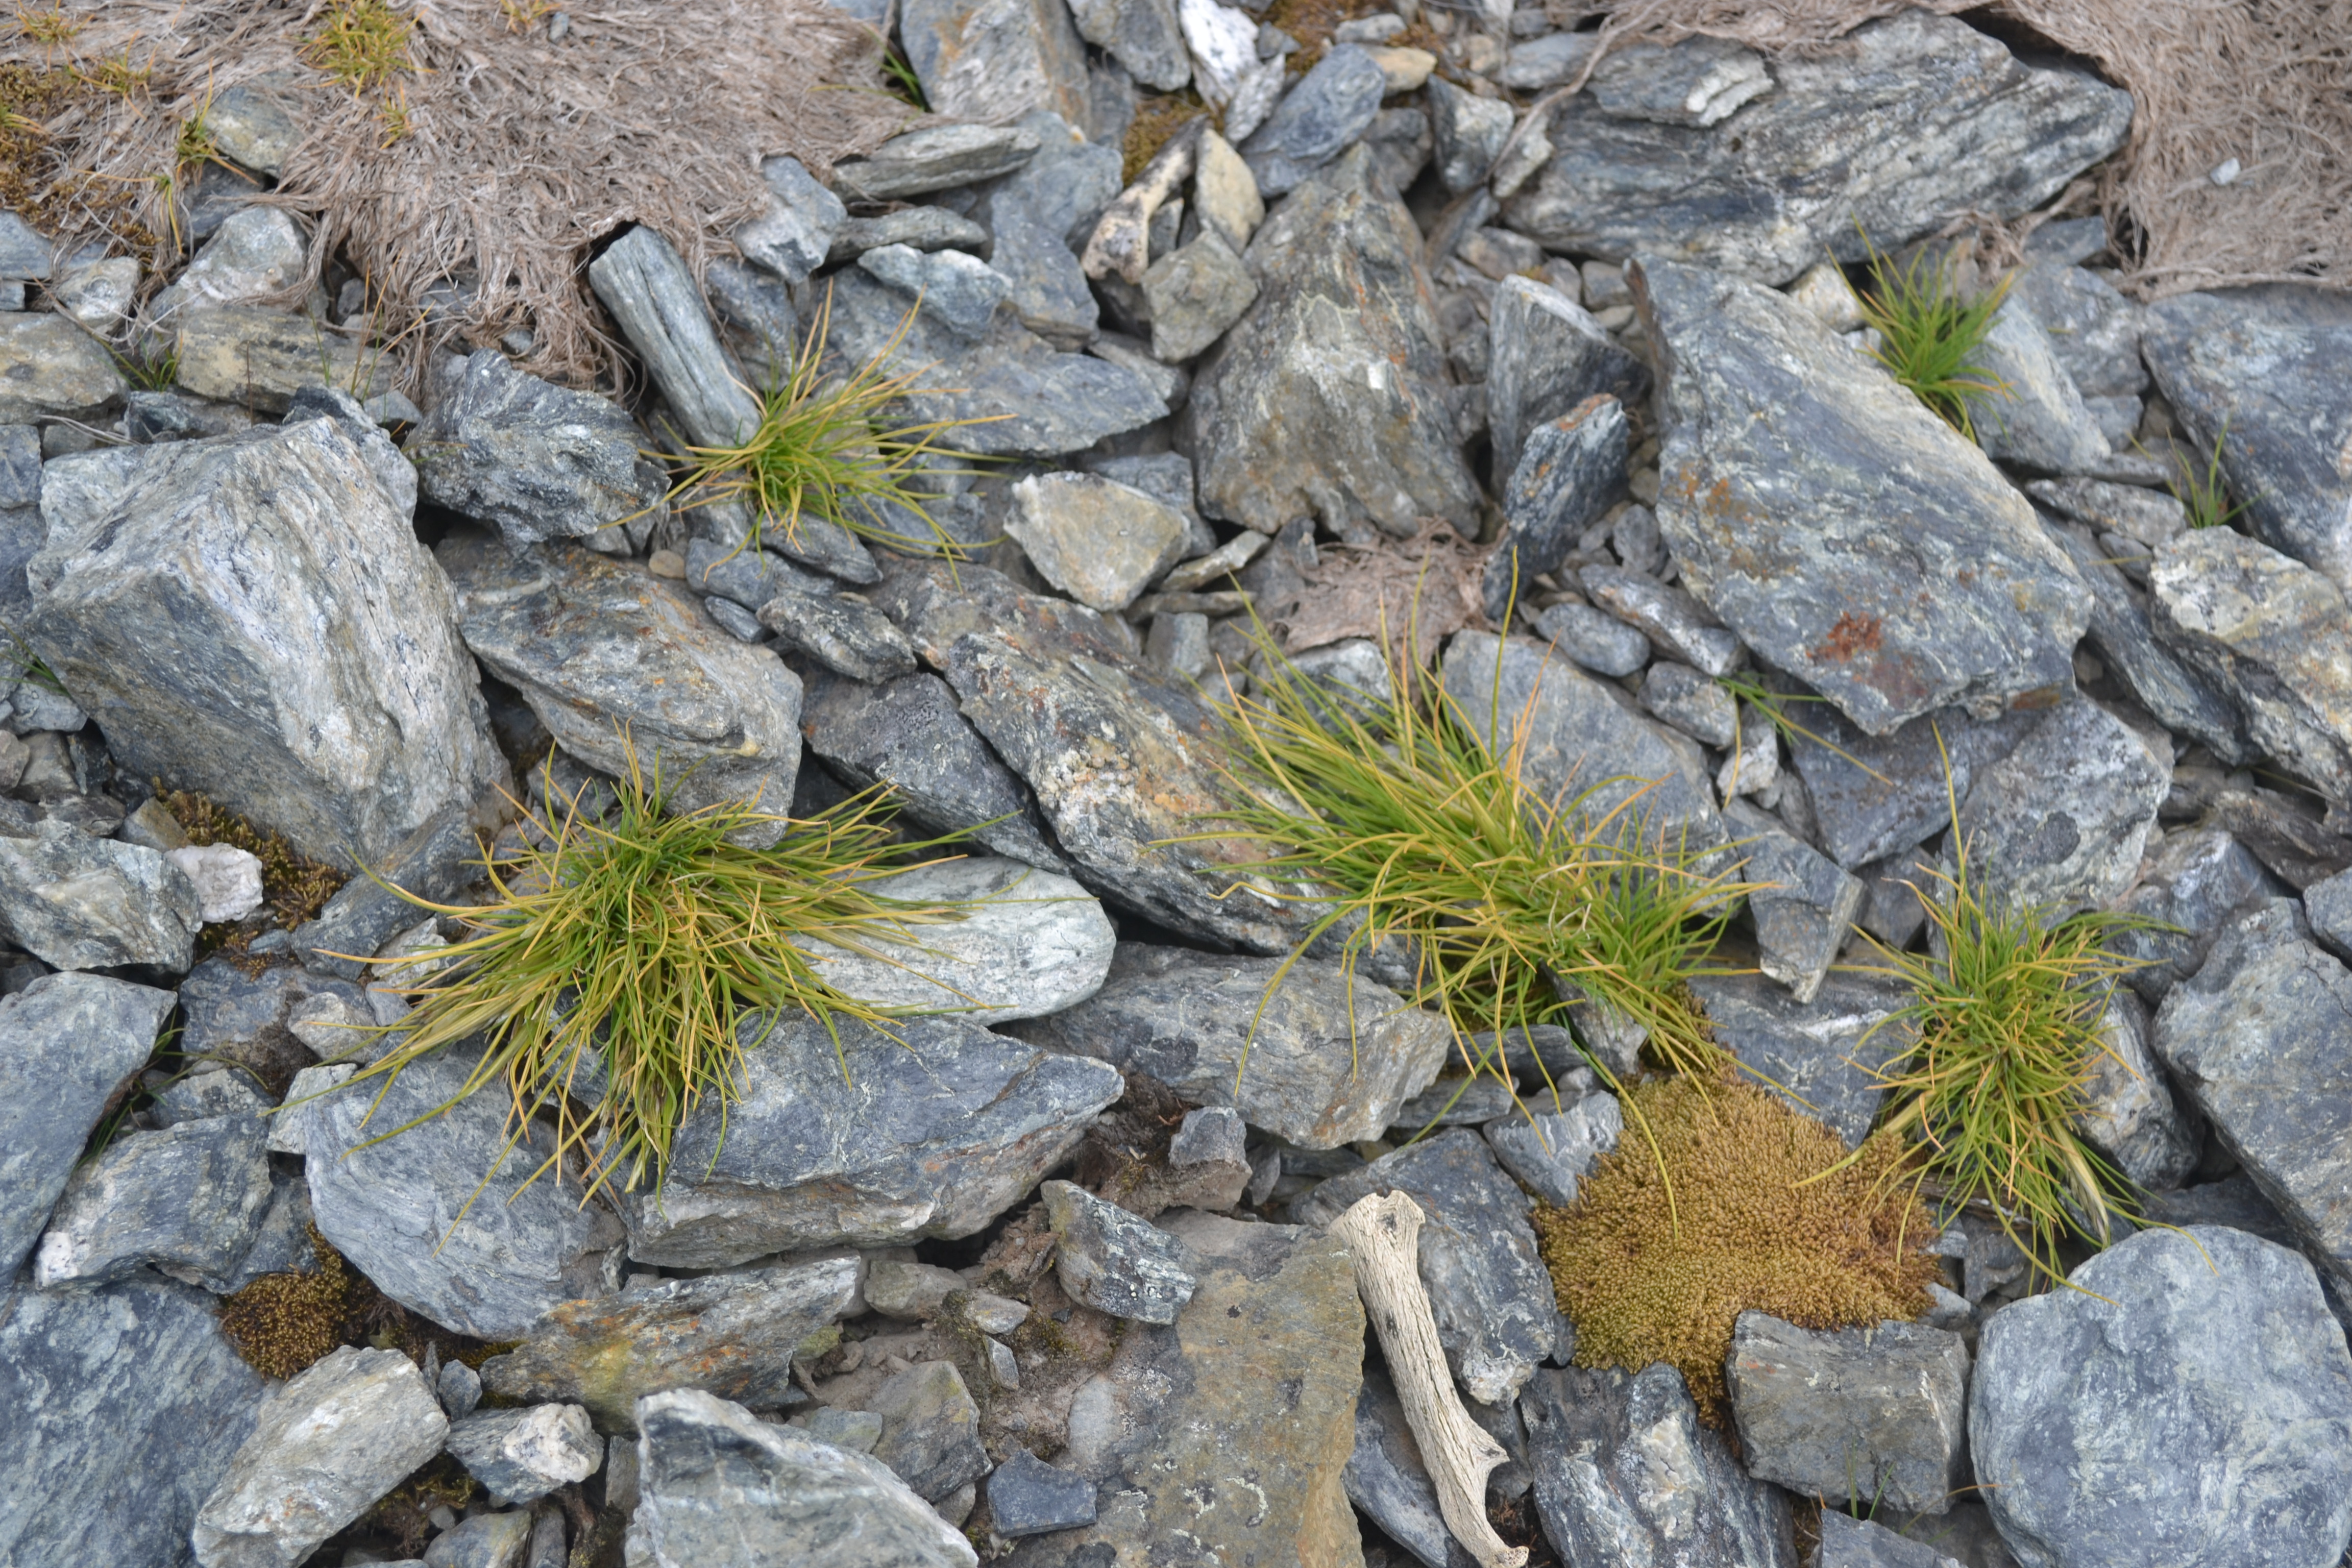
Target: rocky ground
(1042, 1284)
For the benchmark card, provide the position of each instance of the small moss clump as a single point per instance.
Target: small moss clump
(281, 1323)
(294, 887)
(1157, 119)
(1750, 1229)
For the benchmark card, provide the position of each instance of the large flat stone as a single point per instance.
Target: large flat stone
(1848, 535)
(2058, 825)
(78, 902)
(602, 651)
(1870, 1415)
(935, 158)
(186, 1199)
(880, 1141)
(1879, 138)
(1328, 1060)
(1820, 1055)
(49, 368)
(533, 460)
(251, 616)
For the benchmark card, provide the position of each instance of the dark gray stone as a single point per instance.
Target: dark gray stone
(1546, 357)
(1572, 470)
(2256, 1040)
(1859, 1415)
(1699, 82)
(1035, 214)
(2129, 1110)
(601, 651)
(78, 902)
(1847, 534)
(2204, 1366)
(2194, 879)
(653, 300)
(436, 862)
(1109, 1260)
(1691, 702)
(718, 1485)
(522, 1455)
(733, 1334)
(756, 321)
(187, 1200)
(930, 1429)
(796, 235)
(995, 62)
(2038, 420)
(1803, 905)
(1469, 133)
(1277, 436)
(747, 576)
(936, 158)
(2058, 825)
(1912, 119)
(66, 1043)
(1388, 1481)
(907, 733)
(251, 616)
(125, 1405)
(485, 1540)
(1027, 1496)
(2295, 846)
(459, 1389)
(2093, 328)
(2149, 516)
(842, 632)
(1594, 639)
(1876, 796)
(1622, 1467)
(1488, 1287)
(1456, 1101)
(1550, 1152)
(1819, 1055)
(925, 228)
(959, 292)
(1186, 1018)
(236, 1017)
(1325, 112)
(24, 252)
(1851, 1542)
(938, 1127)
(20, 466)
(533, 460)
(1144, 37)
(2264, 375)
(393, 1208)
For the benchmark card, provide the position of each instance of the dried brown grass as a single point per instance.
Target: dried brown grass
(496, 154)
(2262, 81)
(1417, 592)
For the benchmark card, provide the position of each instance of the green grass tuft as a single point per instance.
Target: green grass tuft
(2206, 495)
(1930, 336)
(364, 44)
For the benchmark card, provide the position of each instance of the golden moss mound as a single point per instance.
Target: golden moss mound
(294, 887)
(1842, 1251)
(282, 1323)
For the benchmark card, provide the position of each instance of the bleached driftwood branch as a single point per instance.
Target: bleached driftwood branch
(1121, 242)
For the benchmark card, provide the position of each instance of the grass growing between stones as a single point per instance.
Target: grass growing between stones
(2204, 495)
(614, 956)
(1767, 1216)
(1929, 334)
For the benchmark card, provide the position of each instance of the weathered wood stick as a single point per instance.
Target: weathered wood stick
(1121, 241)
(1382, 1235)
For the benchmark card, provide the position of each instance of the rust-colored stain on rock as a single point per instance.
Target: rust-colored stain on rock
(1853, 635)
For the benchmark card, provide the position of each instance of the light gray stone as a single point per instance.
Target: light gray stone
(217, 1091)
(2203, 1366)
(252, 617)
(993, 62)
(78, 902)
(260, 359)
(1690, 702)
(328, 1444)
(1699, 82)
(1820, 1055)
(733, 1334)
(600, 651)
(1877, 556)
(842, 632)
(1036, 214)
(2095, 329)
(930, 1430)
(1674, 623)
(1325, 112)
(257, 255)
(1851, 1542)
(1550, 1152)
(1195, 293)
(1551, 60)
(748, 576)
(227, 879)
(936, 158)
(2037, 420)
(2059, 824)
(2129, 1109)
(1871, 1416)
(958, 292)
(652, 299)
(24, 252)
(1186, 1018)
(485, 1540)
(98, 295)
(1546, 357)
(2193, 881)
(533, 460)
(1596, 640)
(718, 1485)
(1100, 542)
(795, 235)
(909, 1291)
(522, 1455)
(2151, 516)
(923, 228)
(1141, 35)
(187, 1200)
(253, 124)
(1803, 905)
(1572, 470)
(1108, 1260)
(1469, 132)
(932, 1129)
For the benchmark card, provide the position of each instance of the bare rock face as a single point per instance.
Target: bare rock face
(1860, 1415)
(997, 60)
(251, 616)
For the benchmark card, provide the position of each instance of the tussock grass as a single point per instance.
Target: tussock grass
(1930, 336)
(608, 968)
(2205, 495)
(364, 45)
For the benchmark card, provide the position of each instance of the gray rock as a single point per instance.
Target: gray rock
(2038, 420)
(1325, 112)
(1594, 640)
(748, 576)
(652, 297)
(485, 1540)
(2204, 1366)
(251, 616)
(393, 1207)
(2263, 376)
(840, 631)
(1036, 214)
(1186, 1019)
(1574, 734)
(993, 62)
(1875, 798)
(1144, 37)
(254, 257)
(733, 1334)
(2058, 825)
(1622, 1467)
(930, 1429)
(78, 902)
(600, 651)
(1572, 470)
(1700, 82)
(923, 228)
(1469, 132)
(907, 733)
(2275, 636)
(909, 1291)
(2093, 328)
(1492, 1295)
(1916, 117)
(1195, 293)
(1027, 1496)
(187, 1199)
(217, 1091)
(1546, 357)
(2296, 847)
(1673, 621)
(1689, 702)
(1117, 749)
(1820, 1055)
(1459, 1101)
(260, 359)
(1550, 1152)
(1387, 1480)
(327, 1445)
(1949, 591)
(1851, 1542)
(1867, 1416)
(244, 1019)
(1803, 905)
(958, 292)
(1029, 943)
(1109, 1260)
(856, 1429)
(1277, 436)
(936, 158)
(459, 1389)
(1548, 61)
(2251, 1038)
(2151, 516)
(796, 235)
(933, 1129)
(125, 1404)
(533, 460)
(52, 369)
(2194, 881)
(1100, 542)
(2129, 1110)
(522, 1455)
(718, 1485)
(24, 252)
(436, 862)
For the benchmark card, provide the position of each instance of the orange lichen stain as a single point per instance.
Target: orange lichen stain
(1854, 635)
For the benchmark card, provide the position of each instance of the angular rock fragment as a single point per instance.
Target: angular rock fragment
(795, 235)
(1027, 1496)
(1572, 470)
(1876, 797)
(227, 879)
(1691, 702)
(1877, 556)
(534, 461)
(925, 228)
(53, 369)
(2193, 881)
(1195, 293)
(1594, 640)
(930, 1429)
(522, 1455)
(1820, 1055)
(1864, 1416)
(653, 297)
(1109, 1260)
(1100, 542)
(255, 253)
(484, 1540)
(933, 1128)
(936, 158)
(1324, 113)
(1670, 619)
(1552, 1151)
(1033, 217)
(262, 358)
(1851, 1542)
(2184, 1360)
(1186, 1018)
(2059, 824)
(959, 292)
(909, 1291)
(733, 1334)
(78, 902)
(186, 1199)
(2093, 328)
(2038, 420)
(435, 862)
(1803, 905)
(992, 62)
(1469, 132)
(2129, 1109)
(840, 631)
(1547, 357)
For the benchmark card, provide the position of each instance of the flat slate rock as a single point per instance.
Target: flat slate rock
(1881, 139)
(1108, 1260)
(879, 1142)
(1851, 1542)
(2194, 881)
(1550, 1151)
(534, 461)
(1026, 1496)
(2059, 824)
(1876, 797)
(930, 1429)
(187, 1200)
(1816, 1054)
(2190, 1402)
(1871, 1416)
(1847, 534)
